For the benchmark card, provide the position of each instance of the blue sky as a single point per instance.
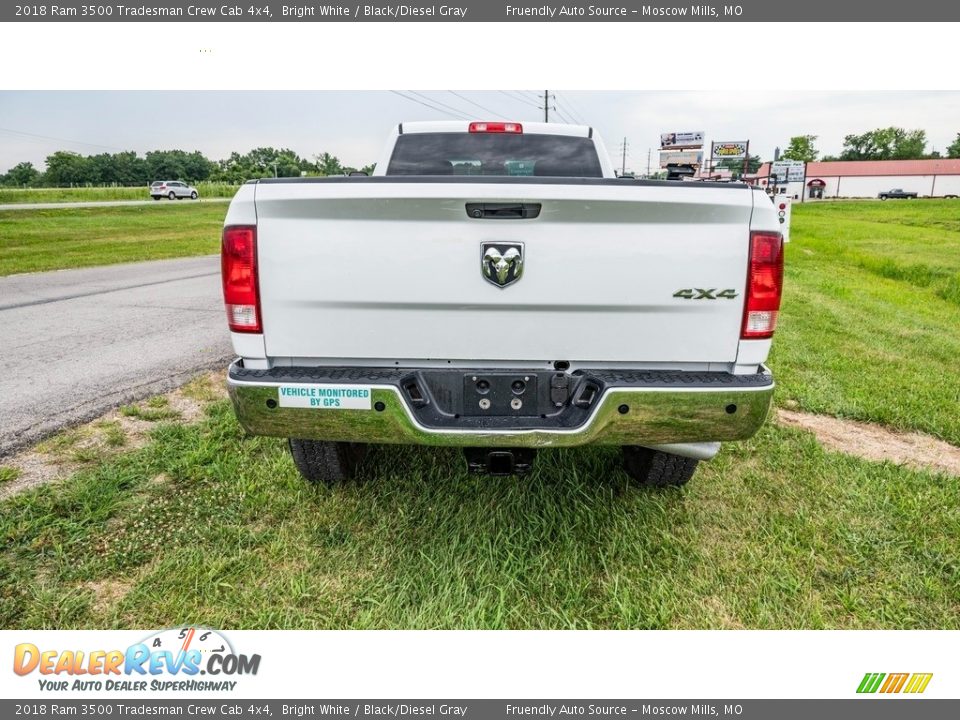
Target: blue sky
(352, 125)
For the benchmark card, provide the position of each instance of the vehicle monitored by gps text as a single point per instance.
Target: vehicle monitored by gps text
(493, 286)
(173, 190)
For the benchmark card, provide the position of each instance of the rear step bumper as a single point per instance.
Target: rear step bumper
(396, 405)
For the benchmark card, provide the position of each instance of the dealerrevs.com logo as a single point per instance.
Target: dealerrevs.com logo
(179, 659)
(890, 683)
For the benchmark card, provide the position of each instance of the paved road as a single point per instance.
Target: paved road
(74, 343)
(102, 203)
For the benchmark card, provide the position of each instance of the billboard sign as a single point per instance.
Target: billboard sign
(734, 150)
(681, 140)
(788, 170)
(681, 157)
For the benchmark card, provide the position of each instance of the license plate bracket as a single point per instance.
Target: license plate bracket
(499, 394)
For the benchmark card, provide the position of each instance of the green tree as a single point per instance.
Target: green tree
(67, 168)
(327, 164)
(953, 149)
(891, 143)
(130, 169)
(196, 167)
(21, 174)
(736, 166)
(801, 148)
(259, 163)
(165, 165)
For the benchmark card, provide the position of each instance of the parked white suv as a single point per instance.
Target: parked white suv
(172, 189)
(495, 287)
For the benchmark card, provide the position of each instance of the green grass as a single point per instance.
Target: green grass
(90, 194)
(207, 525)
(33, 240)
(869, 327)
(155, 409)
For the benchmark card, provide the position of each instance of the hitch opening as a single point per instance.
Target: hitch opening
(499, 461)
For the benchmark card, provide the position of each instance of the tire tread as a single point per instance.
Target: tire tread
(655, 468)
(325, 462)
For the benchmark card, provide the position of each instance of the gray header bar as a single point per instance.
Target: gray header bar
(857, 11)
(212, 708)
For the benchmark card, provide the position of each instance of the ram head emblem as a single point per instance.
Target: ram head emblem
(501, 263)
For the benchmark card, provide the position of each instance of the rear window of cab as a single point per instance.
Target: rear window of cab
(494, 154)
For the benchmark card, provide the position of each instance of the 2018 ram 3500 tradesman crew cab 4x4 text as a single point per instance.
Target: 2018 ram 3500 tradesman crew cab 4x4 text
(494, 286)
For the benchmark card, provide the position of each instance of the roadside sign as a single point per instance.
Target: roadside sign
(680, 157)
(788, 170)
(731, 150)
(681, 140)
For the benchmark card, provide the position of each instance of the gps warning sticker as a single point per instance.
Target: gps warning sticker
(324, 397)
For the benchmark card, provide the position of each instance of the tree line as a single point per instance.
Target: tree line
(890, 143)
(66, 169)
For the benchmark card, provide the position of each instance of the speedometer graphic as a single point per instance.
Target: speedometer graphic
(190, 637)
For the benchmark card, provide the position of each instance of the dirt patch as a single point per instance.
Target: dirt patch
(121, 430)
(877, 443)
(107, 593)
(720, 613)
(33, 469)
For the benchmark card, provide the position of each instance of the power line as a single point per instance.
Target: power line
(59, 139)
(520, 98)
(567, 115)
(441, 104)
(419, 102)
(576, 107)
(569, 109)
(485, 109)
(534, 95)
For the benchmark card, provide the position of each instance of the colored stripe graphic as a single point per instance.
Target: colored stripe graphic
(894, 682)
(918, 682)
(870, 682)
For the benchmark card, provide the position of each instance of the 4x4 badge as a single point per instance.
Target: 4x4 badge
(501, 263)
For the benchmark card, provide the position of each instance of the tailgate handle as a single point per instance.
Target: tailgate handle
(503, 211)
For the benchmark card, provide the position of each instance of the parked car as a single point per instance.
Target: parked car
(173, 189)
(495, 287)
(897, 194)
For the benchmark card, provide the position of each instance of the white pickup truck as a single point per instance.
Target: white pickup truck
(494, 286)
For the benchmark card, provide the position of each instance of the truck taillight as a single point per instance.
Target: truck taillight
(496, 127)
(764, 286)
(238, 265)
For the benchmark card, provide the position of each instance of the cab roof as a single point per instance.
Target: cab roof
(462, 126)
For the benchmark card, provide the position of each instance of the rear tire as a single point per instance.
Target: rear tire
(172, 195)
(156, 197)
(325, 462)
(654, 468)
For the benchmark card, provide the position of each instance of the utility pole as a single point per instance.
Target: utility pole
(623, 165)
(648, 162)
(546, 105)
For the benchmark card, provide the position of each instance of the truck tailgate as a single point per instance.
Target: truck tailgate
(392, 270)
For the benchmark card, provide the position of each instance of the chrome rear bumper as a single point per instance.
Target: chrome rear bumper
(640, 408)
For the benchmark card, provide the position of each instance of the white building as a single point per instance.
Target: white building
(939, 177)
